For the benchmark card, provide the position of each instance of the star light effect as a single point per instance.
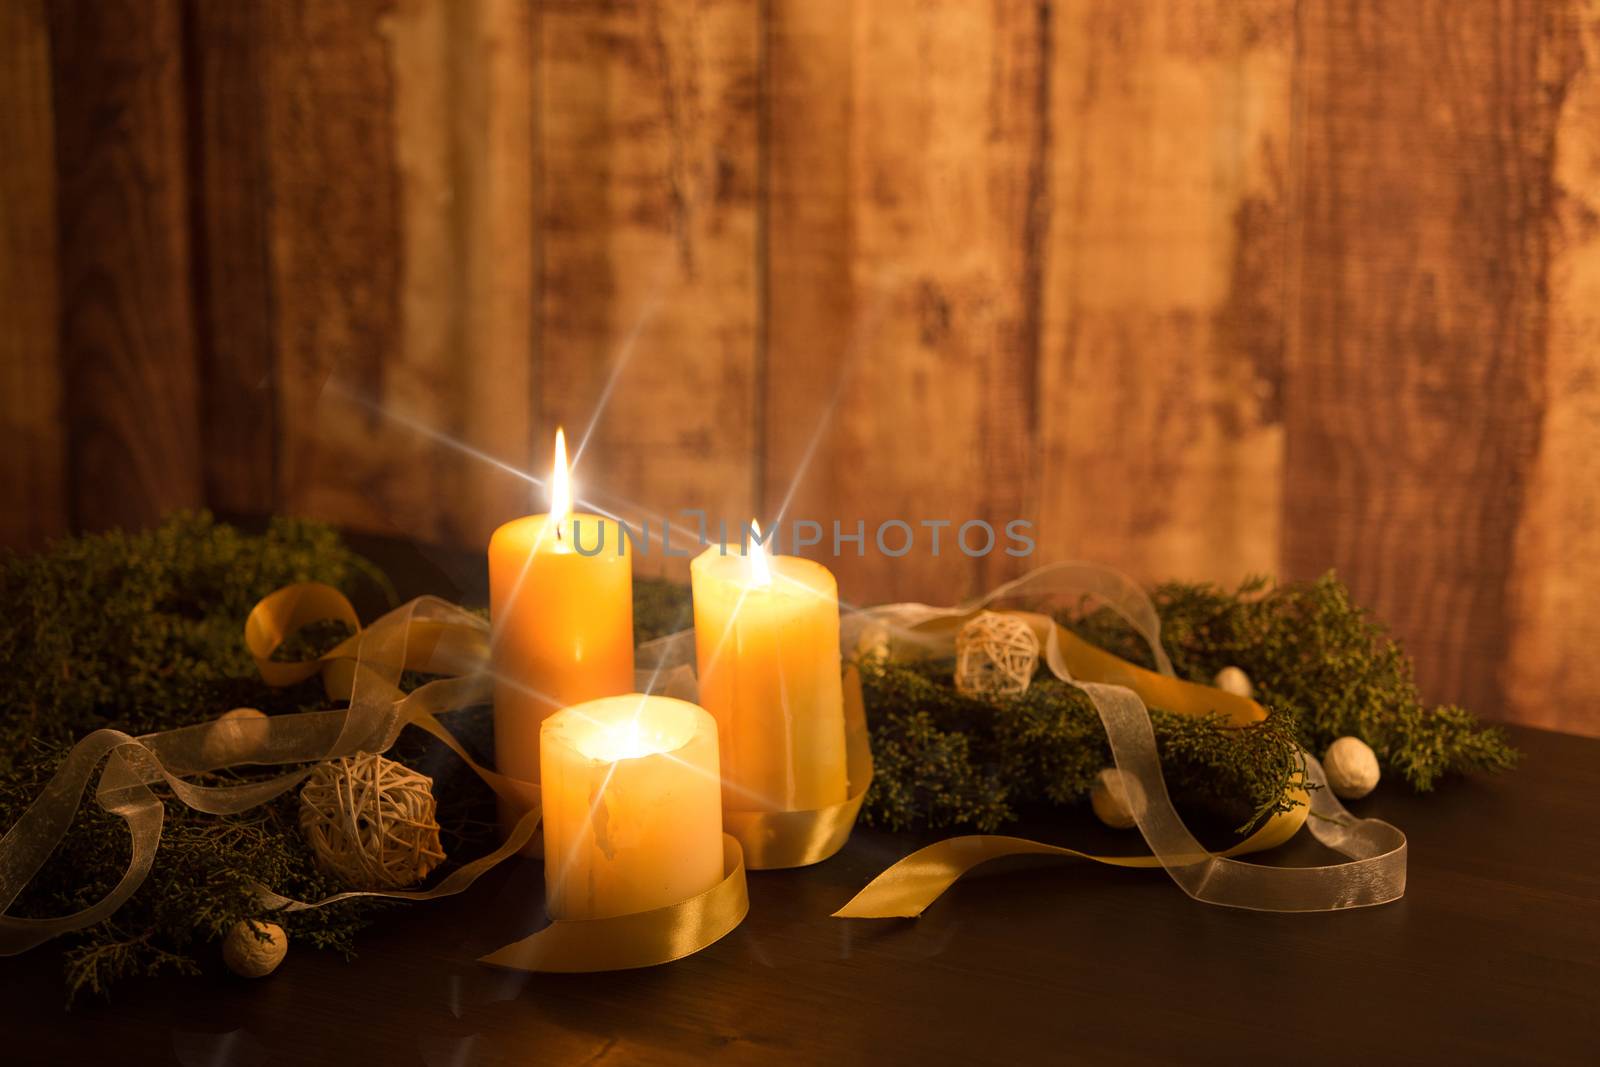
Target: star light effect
(560, 485)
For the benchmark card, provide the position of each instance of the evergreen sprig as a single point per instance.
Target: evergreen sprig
(143, 631)
(943, 759)
(1321, 665)
(204, 880)
(1311, 651)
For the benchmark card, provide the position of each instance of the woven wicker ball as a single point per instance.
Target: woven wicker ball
(371, 822)
(995, 656)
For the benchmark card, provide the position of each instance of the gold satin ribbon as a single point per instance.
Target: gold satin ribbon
(135, 765)
(430, 636)
(637, 939)
(426, 635)
(908, 887)
(774, 840)
(640, 938)
(1120, 692)
(426, 645)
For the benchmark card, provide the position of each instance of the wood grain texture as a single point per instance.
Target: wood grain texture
(1200, 288)
(1500, 914)
(401, 174)
(815, 324)
(927, 385)
(1161, 363)
(1417, 380)
(1551, 677)
(464, 135)
(648, 256)
(337, 260)
(233, 278)
(130, 385)
(32, 445)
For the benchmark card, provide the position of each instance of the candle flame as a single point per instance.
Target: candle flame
(760, 568)
(619, 742)
(560, 484)
(627, 727)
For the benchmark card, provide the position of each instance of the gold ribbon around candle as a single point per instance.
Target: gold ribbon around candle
(774, 840)
(1120, 691)
(777, 839)
(427, 635)
(640, 938)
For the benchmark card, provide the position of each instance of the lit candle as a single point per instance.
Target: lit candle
(562, 623)
(632, 808)
(767, 641)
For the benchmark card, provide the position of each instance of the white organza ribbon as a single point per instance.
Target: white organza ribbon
(431, 636)
(427, 635)
(1374, 873)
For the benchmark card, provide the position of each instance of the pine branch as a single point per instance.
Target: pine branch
(1313, 652)
(943, 759)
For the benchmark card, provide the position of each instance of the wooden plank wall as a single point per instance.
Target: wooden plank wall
(32, 442)
(127, 356)
(647, 209)
(1203, 288)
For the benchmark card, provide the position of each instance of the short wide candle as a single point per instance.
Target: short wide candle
(632, 807)
(767, 641)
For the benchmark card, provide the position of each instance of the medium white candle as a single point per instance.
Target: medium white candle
(632, 806)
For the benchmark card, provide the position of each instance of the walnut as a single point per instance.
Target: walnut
(248, 954)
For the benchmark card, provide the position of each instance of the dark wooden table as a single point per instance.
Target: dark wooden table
(1493, 956)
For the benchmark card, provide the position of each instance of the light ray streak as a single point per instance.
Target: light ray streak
(624, 357)
(733, 621)
(439, 437)
(498, 632)
(587, 502)
(571, 856)
(521, 687)
(852, 359)
(419, 427)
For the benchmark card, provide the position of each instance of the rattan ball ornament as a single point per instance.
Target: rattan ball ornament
(370, 821)
(254, 949)
(995, 656)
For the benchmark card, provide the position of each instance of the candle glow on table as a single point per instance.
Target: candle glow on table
(632, 806)
(767, 641)
(562, 623)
